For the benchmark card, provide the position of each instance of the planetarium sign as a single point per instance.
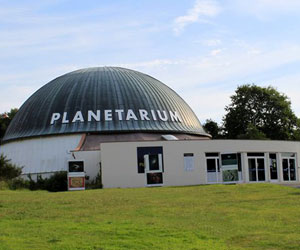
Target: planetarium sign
(116, 114)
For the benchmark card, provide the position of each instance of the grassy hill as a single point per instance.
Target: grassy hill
(253, 216)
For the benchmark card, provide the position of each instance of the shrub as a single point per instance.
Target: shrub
(8, 171)
(36, 185)
(18, 183)
(57, 182)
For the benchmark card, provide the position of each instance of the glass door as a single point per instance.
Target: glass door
(153, 169)
(256, 167)
(289, 168)
(213, 170)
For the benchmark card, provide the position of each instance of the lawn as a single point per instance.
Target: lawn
(251, 216)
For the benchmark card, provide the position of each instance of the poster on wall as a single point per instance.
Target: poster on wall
(142, 151)
(229, 166)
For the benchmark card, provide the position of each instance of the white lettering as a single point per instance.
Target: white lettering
(144, 114)
(119, 112)
(153, 115)
(165, 118)
(64, 119)
(175, 116)
(91, 115)
(131, 115)
(107, 115)
(78, 117)
(55, 117)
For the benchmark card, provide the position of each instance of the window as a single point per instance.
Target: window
(154, 178)
(229, 159)
(189, 164)
(289, 166)
(273, 166)
(212, 154)
(256, 154)
(153, 162)
(240, 166)
(151, 151)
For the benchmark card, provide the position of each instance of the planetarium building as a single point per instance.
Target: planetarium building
(134, 131)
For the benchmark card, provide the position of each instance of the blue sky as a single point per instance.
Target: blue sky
(203, 49)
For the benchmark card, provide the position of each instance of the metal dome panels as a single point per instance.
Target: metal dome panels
(103, 100)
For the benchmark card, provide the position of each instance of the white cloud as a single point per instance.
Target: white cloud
(202, 8)
(232, 64)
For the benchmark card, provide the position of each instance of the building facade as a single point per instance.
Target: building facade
(136, 132)
(200, 162)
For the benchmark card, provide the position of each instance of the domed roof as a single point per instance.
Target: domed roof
(103, 100)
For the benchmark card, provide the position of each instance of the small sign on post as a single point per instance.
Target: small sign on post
(76, 176)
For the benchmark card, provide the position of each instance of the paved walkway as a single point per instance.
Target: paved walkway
(291, 185)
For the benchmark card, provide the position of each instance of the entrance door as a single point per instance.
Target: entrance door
(256, 168)
(289, 168)
(153, 169)
(213, 169)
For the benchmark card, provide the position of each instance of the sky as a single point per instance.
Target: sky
(203, 49)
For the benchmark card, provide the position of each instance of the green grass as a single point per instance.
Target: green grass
(253, 216)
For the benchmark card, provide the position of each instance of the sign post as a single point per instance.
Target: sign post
(76, 176)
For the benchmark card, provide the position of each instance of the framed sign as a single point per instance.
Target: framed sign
(76, 182)
(76, 175)
(76, 166)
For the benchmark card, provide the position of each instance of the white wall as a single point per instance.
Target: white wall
(119, 159)
(91, 162)
(43, 154)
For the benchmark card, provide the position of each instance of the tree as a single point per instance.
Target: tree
(260, 113)
(5, 119)
(253, 132)
(212, 128)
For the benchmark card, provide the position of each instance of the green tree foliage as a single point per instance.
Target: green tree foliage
(253, 132)
(5, 119)
(8, 170)
(212, 128)
(260, 113)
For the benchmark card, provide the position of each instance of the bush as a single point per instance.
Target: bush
(18, 183)
(9, 179)
(36, 185)
(57, 182)
(8, 171)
